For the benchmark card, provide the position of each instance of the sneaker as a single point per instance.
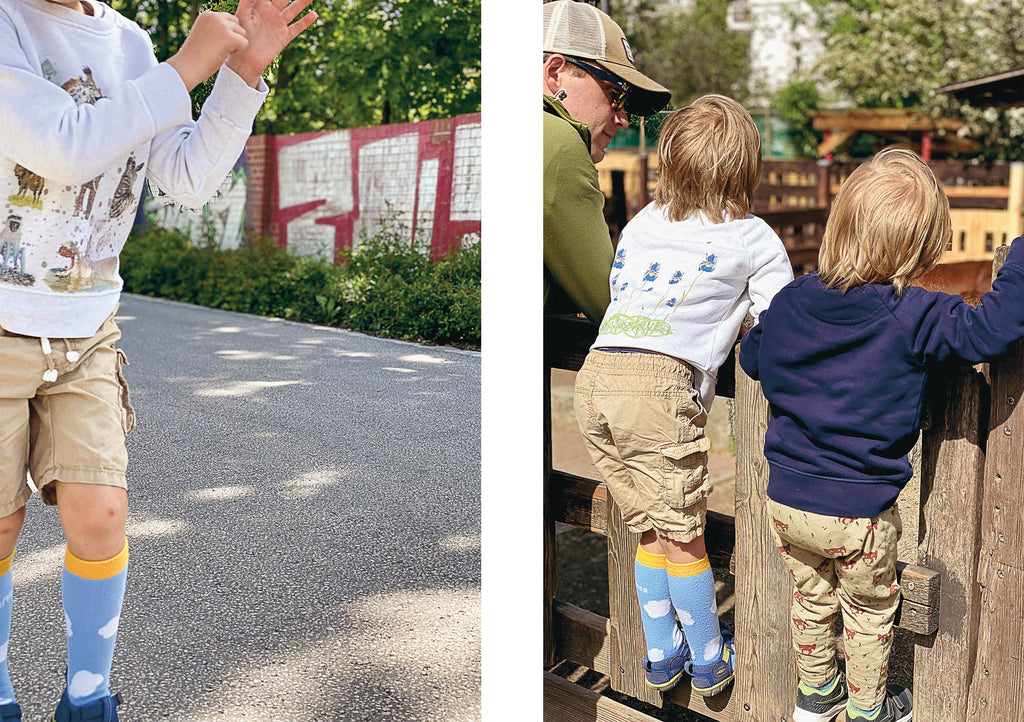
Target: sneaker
(664, 675)
(898, 706)
(710, 679)
(817, 707)
(102, 710)
(10, 712)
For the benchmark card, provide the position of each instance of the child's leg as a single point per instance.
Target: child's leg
(869, 597)
(93, 583)
(692, 585)
(10, 527)
(815, 606)
(661, 633)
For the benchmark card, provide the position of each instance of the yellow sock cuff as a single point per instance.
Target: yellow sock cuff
(5, 564)
(104, 569)
(689, 570)
(654, 561)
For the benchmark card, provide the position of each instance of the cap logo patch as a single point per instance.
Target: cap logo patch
(629, 53)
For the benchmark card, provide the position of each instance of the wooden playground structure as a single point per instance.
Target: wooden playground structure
(963, 587)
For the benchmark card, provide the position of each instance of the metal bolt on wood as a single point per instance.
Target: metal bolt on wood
(1008, 431)
(910, 586)
(1010, 400)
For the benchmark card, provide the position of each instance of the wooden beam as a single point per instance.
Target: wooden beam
(880, 120)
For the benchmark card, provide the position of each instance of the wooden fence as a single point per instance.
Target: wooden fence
(794, 197)
(962, 595)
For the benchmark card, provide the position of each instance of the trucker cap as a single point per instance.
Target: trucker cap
(582, 31)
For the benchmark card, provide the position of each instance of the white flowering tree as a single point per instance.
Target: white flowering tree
(894, 53)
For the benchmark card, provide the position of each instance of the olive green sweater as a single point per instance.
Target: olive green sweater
(577, 246)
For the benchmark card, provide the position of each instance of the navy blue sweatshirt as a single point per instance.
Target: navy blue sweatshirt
(844, 375)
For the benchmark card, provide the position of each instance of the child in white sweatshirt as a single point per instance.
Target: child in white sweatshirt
(687, 270)
(87, 114)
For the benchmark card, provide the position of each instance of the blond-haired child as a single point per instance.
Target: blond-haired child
(843, 356)
(687, 270)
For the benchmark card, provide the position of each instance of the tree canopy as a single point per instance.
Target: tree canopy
(364, 62)
(894, 53)
(691, 52)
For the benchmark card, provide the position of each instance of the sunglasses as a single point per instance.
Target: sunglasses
(619, 87)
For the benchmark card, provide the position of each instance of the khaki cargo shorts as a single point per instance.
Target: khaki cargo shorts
(643, 424)
(71, 429)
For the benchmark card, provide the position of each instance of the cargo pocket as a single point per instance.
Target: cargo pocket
(127, 412)
(685, 470)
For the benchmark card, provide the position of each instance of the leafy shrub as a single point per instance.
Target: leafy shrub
(386, 286)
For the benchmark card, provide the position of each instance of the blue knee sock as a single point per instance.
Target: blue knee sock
(693, 595)
(93, 593)
(6, 599)
(663, 636)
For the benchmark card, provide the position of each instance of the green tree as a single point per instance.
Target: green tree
(894, 53)
(364, 62)
(690, 52)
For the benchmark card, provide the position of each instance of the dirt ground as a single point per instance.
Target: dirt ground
(583, 558)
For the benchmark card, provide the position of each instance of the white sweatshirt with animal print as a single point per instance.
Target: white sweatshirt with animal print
(86, 114)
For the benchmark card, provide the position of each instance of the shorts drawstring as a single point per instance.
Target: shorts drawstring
(50, 375)
(72, 355)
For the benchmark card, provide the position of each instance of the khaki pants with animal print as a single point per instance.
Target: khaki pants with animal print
(841, 564)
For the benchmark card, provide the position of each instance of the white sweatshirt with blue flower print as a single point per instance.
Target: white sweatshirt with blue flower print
(86, 115)
(683, 288)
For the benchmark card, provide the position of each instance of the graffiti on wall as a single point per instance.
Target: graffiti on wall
(222, 220)
(422, 180)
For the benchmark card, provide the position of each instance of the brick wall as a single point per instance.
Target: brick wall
(318, 193)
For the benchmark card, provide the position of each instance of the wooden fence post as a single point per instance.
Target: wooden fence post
(1015, 201)
(952, 477)
(766, 679)
(998, 684)
(626, 633)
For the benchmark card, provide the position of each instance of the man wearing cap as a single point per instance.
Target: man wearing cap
(590, 84)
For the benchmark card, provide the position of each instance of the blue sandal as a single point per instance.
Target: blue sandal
(101, 710)
(710, 679)
(665, 675)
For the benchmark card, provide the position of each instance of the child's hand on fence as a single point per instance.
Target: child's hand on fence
(214, 36)
(269, 28)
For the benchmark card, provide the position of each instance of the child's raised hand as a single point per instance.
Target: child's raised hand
(213, 38)
(269, 28)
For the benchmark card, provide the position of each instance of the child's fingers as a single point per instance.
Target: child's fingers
(297, 27)
(290, 11)
(244, 8)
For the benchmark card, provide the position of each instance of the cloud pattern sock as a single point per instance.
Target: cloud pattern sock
(663, 636)
(93, 594)
(6, 602)
(693, 595)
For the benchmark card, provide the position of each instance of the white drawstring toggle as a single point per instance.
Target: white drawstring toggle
(72, 356)
(50, 375)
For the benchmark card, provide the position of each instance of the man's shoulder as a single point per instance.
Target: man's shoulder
(561, 136)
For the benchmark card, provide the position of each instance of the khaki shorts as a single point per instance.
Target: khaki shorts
(643, 424)
(72, 429)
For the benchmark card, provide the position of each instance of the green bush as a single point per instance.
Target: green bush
(386, 286)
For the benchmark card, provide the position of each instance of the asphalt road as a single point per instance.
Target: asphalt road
(304, 529)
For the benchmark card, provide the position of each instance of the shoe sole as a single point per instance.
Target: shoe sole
(712, 691)
(803, 715)
(665, 686)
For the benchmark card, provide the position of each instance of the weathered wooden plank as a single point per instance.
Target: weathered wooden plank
(917, 618)
(565, 701)
(952, 473)
(997, 689)
(765, 687)
(918, 584)
(626, 629)
(550, 568)
(579, 501)
(582, 637)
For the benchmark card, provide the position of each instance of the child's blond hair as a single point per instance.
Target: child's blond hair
(709, 160)
(889, 223)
